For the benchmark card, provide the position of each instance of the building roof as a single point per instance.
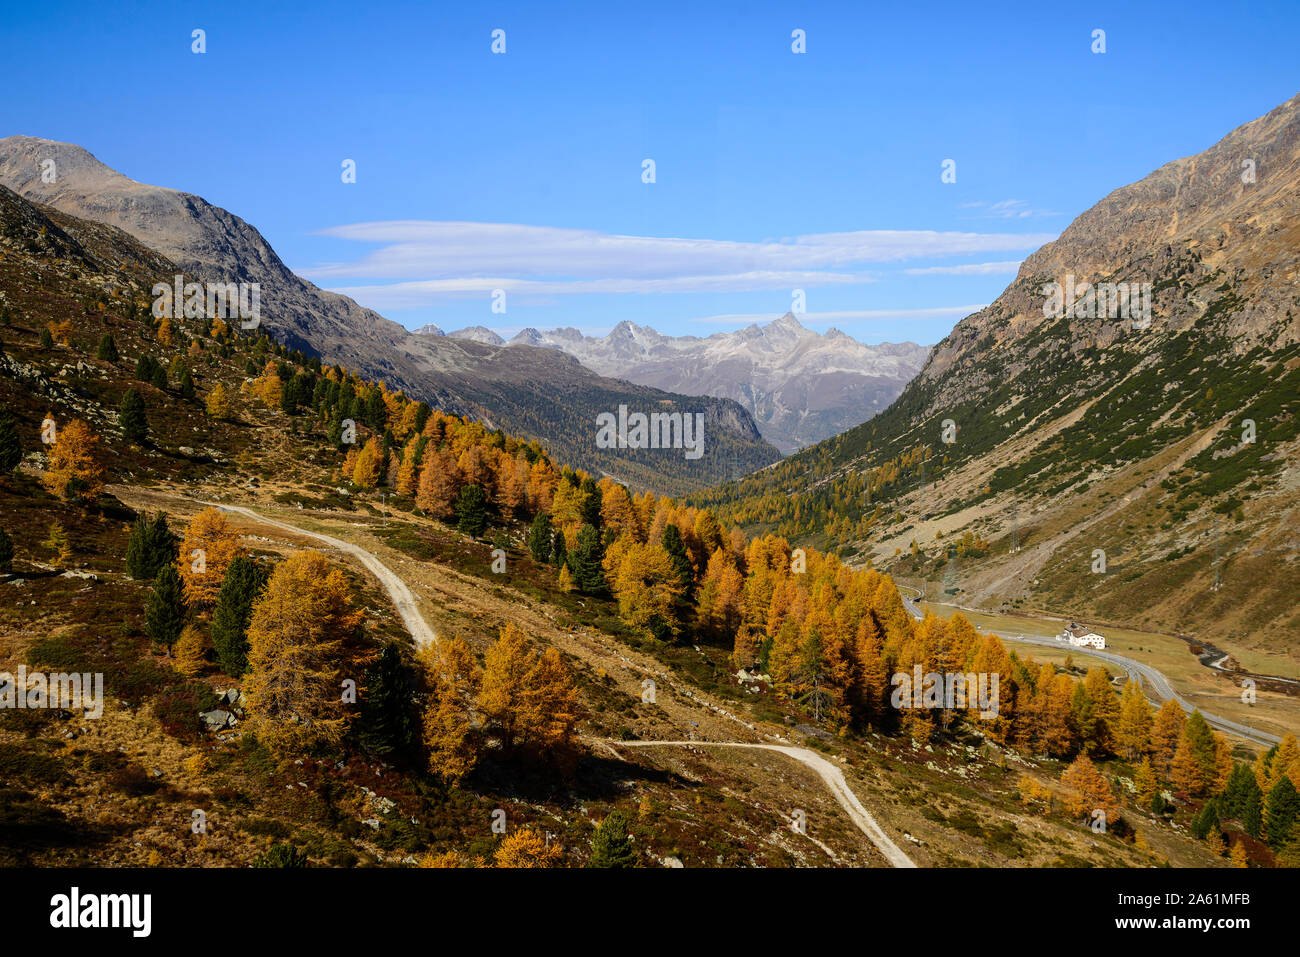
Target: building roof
(1080, 631)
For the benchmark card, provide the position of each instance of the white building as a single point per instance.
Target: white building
(1082, 637)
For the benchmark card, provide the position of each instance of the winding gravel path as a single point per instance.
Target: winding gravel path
(832, 776)
(402, 598)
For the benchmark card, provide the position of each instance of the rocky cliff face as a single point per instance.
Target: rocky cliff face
(1229, 213)
(535, 392)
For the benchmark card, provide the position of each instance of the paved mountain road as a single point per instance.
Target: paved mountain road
(1141, 673)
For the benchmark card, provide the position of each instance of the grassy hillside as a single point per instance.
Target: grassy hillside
(124, 788)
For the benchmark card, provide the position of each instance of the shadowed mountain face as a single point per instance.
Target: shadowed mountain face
(800, 386)
(539, 393)
(1073, 430)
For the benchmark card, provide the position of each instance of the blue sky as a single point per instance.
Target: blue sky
(774, 170)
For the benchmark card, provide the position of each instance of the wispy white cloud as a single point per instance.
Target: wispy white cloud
(413, 295)
(416, 249)
(419, 263)
(969, 269)
(1009, 209)
(851, 315)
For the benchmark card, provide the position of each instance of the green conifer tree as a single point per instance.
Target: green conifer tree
(234, 608)
(107, 351)
(164, 614)
(612, 845)
(471, 510)
(585, 561)
(387, 721)
(539, 538)
(131, 416)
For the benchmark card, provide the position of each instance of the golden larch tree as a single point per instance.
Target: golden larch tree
(1087, 791)
(1133, 727)
(408, 473)
(218, 402)
(439, 483)
(73, 471)
(527, 848)
(1165, 732)
(303, 640)
(450, 719)
(647, 588)
(209, 546)
(529, 702)
(366, 472)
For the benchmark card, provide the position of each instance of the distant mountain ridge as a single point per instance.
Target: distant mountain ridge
(538, 393)
(800, 386)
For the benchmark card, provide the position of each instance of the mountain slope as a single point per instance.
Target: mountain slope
(1075, 435)
(536, 392)
(800, 386)
(90, 791)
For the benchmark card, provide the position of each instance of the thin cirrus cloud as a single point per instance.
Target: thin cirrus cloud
(1009, 209)
(850, 315)
(418, 262)
(1009, 267)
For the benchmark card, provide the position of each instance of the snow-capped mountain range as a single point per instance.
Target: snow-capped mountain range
(800, 386)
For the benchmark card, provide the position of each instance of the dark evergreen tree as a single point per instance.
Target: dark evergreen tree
(151, 546)
(144, 368)
(159, 377)
(1252, 812)
(11, 447)
(1205, 821)
(387, 722)
(164, 615)
(559, 549)
(591, 504)
(471, 510)
(676, 548)
(612, 846)
(422, 412)
(584, 562)
(1234, 794)
(187, 384)
(539, 538)
(6, 552)
(1283, 810)
(131, 416)
(376, 415)
(234, 609)
(335, 431)
(107, 351)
